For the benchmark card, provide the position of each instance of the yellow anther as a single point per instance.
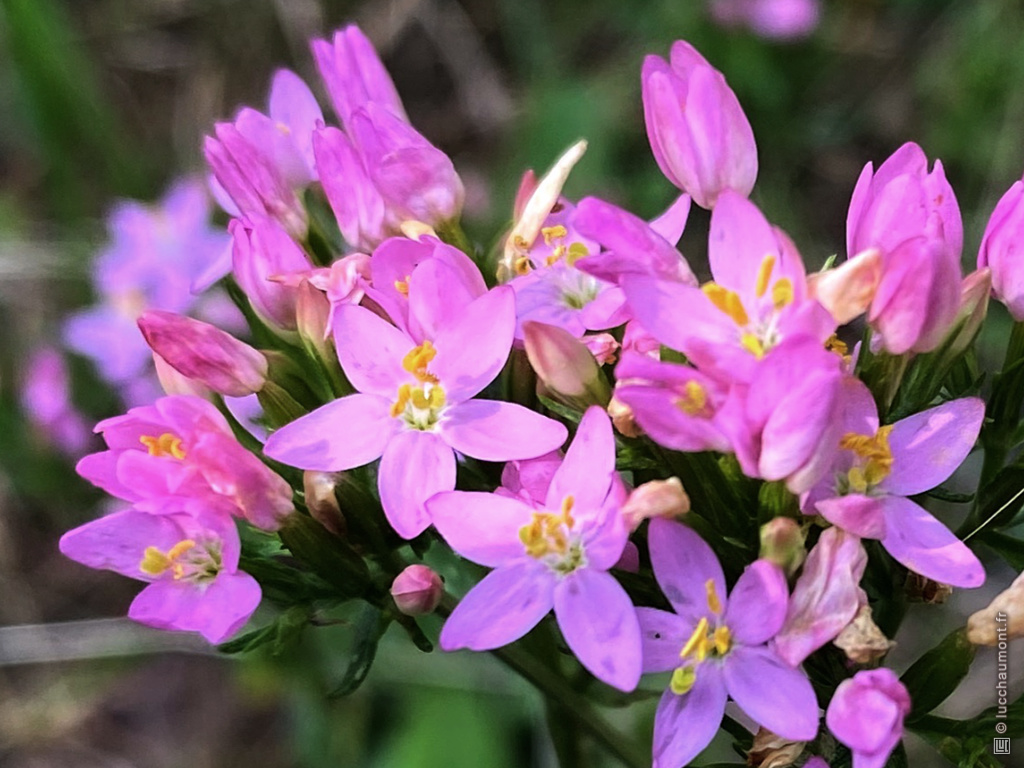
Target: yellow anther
(556, 253)
(752, 344)
(167, 444)
(727, 301)
(577, 251)
(698, 639)
(567, 504)
(550, 234)
(547, 532)
(714, 604)
(694, 400)
(398, 407)
(154, 562)
(764, 274)
(782, 293)
(402, 286)
(682, 680)
(284, 129)
(417, 360)
(834, 344)
(522, 265)
(876, 454)
(723, 640)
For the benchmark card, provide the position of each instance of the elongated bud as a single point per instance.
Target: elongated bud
(974, 296)
(417, 590)
(862, 641)
(565, 366)
(312, 317)
(782, 543)
(205, 353)
(174, 383)
(1002, 619)
(261, 251)
(657, 498)
(847, 291)
(321, 500)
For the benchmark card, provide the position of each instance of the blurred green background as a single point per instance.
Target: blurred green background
(102, 99)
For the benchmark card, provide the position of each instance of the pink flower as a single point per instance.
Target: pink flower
(826, 597)
(46, 399)
(866, 714)
(554, 555)
(772, 19)
(261, 251)
(698, 132)
(715, 647)
(181, 446)
(188, 556)
(877, 467)
(1001, 250)
(413, 407)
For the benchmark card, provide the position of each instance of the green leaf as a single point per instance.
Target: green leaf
(1007, 547)
(934, 676)
(326, 555)
(279, 635)
(370, 626)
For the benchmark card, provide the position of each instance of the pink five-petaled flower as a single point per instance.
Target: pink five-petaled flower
(716, 649)
(189, 557)
(181, 446)
(413, 408)
(554, 555)
(699, 135)
(877, 467)
(866, 714)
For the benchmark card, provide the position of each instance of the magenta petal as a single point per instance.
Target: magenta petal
(371, 351)
(757, 604)
(862, 516)
(683, 563)
(497, 431)
(599, 623)
(662, 635)
(482, 527)
(771, 692)
(118, 541)
(343, 434)
(415, 466)
(504, 606)
(928, 446)
(926, 546)
(216, 610)
(586, 472)
(472, 349)
(685, 725)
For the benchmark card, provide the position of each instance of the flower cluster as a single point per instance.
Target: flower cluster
(706, 481)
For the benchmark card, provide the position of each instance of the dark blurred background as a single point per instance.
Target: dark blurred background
(105, 99)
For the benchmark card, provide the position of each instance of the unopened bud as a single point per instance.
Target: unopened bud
(174, 383)
(861, 640)
(322, 501)
(848, 290)
(417, 590)
(772, 751)
(974, 295)
(602, 346)
(623, 419)
(657, 498)
(565, 366)
(312, 315)
(782, 543)
(1002, 620)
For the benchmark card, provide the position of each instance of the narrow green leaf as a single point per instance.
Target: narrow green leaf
(934, 676)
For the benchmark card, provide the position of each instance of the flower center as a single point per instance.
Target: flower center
(167, 444)
(693, 401)
(185, 561)
(873, 460)
(705, 642)
(549, 537)
(760, 334)
(420, 405)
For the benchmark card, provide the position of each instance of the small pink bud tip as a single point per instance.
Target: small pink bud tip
(417, 590)
(657, 498)
(564, 364)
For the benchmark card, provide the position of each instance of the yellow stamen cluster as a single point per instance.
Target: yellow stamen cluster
(694, 400)
(727, 301)
(167, 444)
(154, 562)
(834, 344)
(876, 458)
(782, 289)
(402, 286)
(753, 344)
(702, 643)
(547, 532)
(420, 398)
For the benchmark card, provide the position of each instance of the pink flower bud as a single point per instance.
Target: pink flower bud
(866, 714)
(322, 501)
(1001, 250)
(262, 251)
(657, 498)
(355, 201)
(564, 364)
(700, 137)
(417, 590)
(847, 291)
(782, 543)
(312, 316)
(623, 418)
(205, 353)
(174, 383)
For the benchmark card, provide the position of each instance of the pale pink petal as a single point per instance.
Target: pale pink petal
(862, 516)
(216, 610)
(683, 564)
(415, 466)
(497, 431)
(482, 527)
(586, 471)
(345, 433)
(504, 606)
(685, 725)
(757, 604)
(771, 692)
(671, 223)
(599, 623)
(118, 541)
(662, 634)
(371, 351)
(925, 546)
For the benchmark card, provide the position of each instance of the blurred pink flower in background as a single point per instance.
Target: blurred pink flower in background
(770, 19)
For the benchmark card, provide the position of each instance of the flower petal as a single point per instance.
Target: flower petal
(370, 350)
(599, 623)
(216, 610)
(116, 542)
(771, 692)
(928, 446)
(862, 516)
(685, 725)
(482, 527)
(926, 546)
(506, 604)
(497, 431)
(586, 472)
(662, 635)
(757, 604)
(415, 466)
(683, 564)
(343, 434)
